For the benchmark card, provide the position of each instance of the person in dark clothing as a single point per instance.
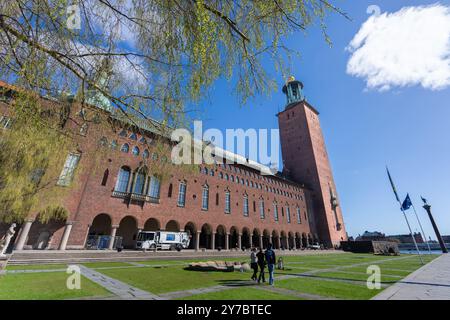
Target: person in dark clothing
(254, 264)
(270, 260)
(261, 264)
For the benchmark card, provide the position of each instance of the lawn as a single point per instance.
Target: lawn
(45, 286)
(341, 276)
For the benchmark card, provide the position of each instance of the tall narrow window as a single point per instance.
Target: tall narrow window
(262, 214)
(205, 197)
(275, 211)
(169, 193)
(217, 199)
(154, 187)
(245, 206)
(122, 180)
(66, 176)
(299, 217)
(105, 177)
(182, 194)
(227, 202)
(135, 151)
(125, 148)
(139, 183)
(288, 214)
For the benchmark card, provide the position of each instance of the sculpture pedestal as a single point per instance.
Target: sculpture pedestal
(3, 263)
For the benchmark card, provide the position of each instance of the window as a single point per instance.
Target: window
(103, 142)
(221, 175)
(123, 133)
(288, 214)
(262, 214)
(133, 136)
(125, 148)
(105, 177)
(205, 197)
(169, 193)
(154, 156)
(217, 199)
(245, 206)
(275, 211)
(182, 194)
(122, 180)
(84, 128)
(211, 172)
(136, 151)
(232, 178)
(145, 154)
(66, 176)
(299, 217)
(142, 140)
(114, 144)
(153, 189)
(227, 202)
(139, 183)
(226, 176)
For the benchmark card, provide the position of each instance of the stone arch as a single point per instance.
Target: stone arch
(41, 234)
(255, 238)
(283, 240)
(173, 226)
(234, 235)
(205, 236)
(152, 224)
(128, 231)
(191, 230)
(101, 225)
(221, 233)
(246, 238)
(304, 240)
(298, 240)
(291, 240)
(266, 238)
(275, 239)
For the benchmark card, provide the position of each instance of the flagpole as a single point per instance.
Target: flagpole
(404, 214)
(421, 228)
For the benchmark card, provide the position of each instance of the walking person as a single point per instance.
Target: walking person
(261, 264)
(254, 264)
(271, 260)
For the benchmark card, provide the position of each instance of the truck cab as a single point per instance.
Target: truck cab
(163, 240)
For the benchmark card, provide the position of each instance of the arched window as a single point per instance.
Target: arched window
(182, 194)
(288, 214)
(122, 180)
(123, 133)
(154, 187)
(205, 197)
(136, 151)
(133, 136)
(299, 216)
(227, 202)
(262, 214)
(105, 177)
(217, 199)
(125, 148)
(220, 175)
(232, 178)
(275, 211)
(145, 154)
(143, 140)
(211, 172)
(103, 142)
(139, 183)
(226, 176)
(205, 170)
(154, 156)
(245, 206)
(114, 144)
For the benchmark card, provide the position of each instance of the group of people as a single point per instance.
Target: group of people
(261, 259)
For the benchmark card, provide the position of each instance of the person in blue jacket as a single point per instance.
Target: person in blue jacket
(270, 260)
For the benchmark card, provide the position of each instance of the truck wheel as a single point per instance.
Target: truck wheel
(153, 247)
(178, 248)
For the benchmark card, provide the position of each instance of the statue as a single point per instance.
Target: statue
(7, 239)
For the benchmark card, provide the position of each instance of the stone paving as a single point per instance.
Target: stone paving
(431, 282)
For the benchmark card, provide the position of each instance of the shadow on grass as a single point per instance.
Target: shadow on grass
(237, 283)
(328, 278)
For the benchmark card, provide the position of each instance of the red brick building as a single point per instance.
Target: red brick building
(225, 205)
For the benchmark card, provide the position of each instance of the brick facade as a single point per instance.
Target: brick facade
(95, 208)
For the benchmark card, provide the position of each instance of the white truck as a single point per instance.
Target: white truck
(164, 240)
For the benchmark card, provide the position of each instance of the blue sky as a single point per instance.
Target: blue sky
(406, 128)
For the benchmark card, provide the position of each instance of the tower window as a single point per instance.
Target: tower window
(182, 194)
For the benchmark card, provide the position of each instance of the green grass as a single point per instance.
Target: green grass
(340, 290)
(167, 279)
(163, 276)
(241, 294)
(45, 286)
(36, 267)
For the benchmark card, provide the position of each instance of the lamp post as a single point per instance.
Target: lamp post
(427, 207)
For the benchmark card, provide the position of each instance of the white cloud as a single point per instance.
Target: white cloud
(405, 48)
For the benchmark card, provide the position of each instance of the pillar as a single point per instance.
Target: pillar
(240, 241)
(279, 242)
(227, 241)
(261, 241)
(213, 240)
(270, 241)
(66, 234)
(197, 241)
(23, 235)
(300, 242)
(113, 235)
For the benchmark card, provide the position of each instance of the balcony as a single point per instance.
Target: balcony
(134, 197)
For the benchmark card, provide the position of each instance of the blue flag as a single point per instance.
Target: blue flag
(407, 203)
